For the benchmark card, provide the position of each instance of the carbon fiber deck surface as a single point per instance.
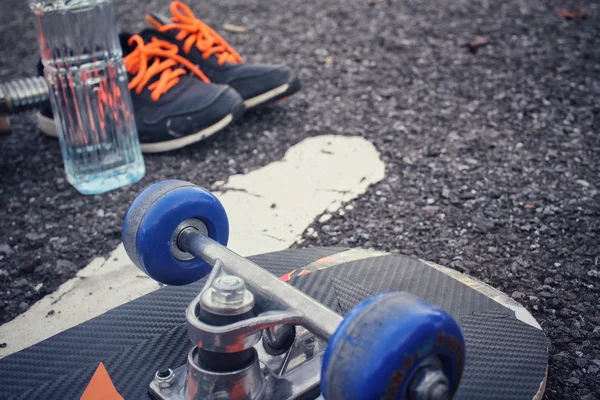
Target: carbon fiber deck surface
(506, 358)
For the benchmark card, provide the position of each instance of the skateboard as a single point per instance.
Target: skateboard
(316, 323)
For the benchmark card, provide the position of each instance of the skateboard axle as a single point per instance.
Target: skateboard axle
(272, 292)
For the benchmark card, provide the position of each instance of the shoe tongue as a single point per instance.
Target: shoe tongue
(157, 20)
(149, 33)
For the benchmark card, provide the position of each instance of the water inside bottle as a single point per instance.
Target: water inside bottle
(88, 88)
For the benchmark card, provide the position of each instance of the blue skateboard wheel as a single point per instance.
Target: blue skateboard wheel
(152, 220)
(381, 344)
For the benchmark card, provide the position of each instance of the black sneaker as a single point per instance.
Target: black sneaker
(257, 84)
(173, 102)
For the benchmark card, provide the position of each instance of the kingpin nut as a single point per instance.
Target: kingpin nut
(227, 295)
(228, 289)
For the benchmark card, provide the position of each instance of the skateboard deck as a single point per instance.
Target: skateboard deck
(506, 350)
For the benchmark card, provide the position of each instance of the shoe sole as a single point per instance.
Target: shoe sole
(48, 127)
(161, 147)
(273, 95)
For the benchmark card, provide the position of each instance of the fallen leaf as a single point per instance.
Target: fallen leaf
(514, 268)
(28, 266)
(478, 42)
(576, 15)
(235, 28)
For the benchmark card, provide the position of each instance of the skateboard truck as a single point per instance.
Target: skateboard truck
(256, 337)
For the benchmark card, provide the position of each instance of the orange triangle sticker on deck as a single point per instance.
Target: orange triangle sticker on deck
(101, 386)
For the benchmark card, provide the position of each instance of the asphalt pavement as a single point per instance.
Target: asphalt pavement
(486, 114)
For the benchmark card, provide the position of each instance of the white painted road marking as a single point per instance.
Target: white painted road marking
(268, 210)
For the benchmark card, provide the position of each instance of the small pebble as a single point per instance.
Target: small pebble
(574, 380)
(35, 236)
(583, 182)
(6, 249)
(594, 274)
(445, 192)
(23, 307)
(517, 295)
(324, 218)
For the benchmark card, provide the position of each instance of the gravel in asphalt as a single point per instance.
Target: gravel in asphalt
(486, 113)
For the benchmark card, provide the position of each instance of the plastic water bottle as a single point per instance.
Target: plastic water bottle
(83, 65)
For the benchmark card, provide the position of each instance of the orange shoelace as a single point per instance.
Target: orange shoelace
(196, 32)
(137, 63)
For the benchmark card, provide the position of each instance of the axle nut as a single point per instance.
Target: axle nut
(430, 382)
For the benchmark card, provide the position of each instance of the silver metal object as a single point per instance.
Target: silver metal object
(430, 382)
(272, 293)
(220, 339)
(237, 336)
(21, 95)
(164, 381)
(288, 375)
(227, 295)
(244, 384)
(192, 223)
(284, 377)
